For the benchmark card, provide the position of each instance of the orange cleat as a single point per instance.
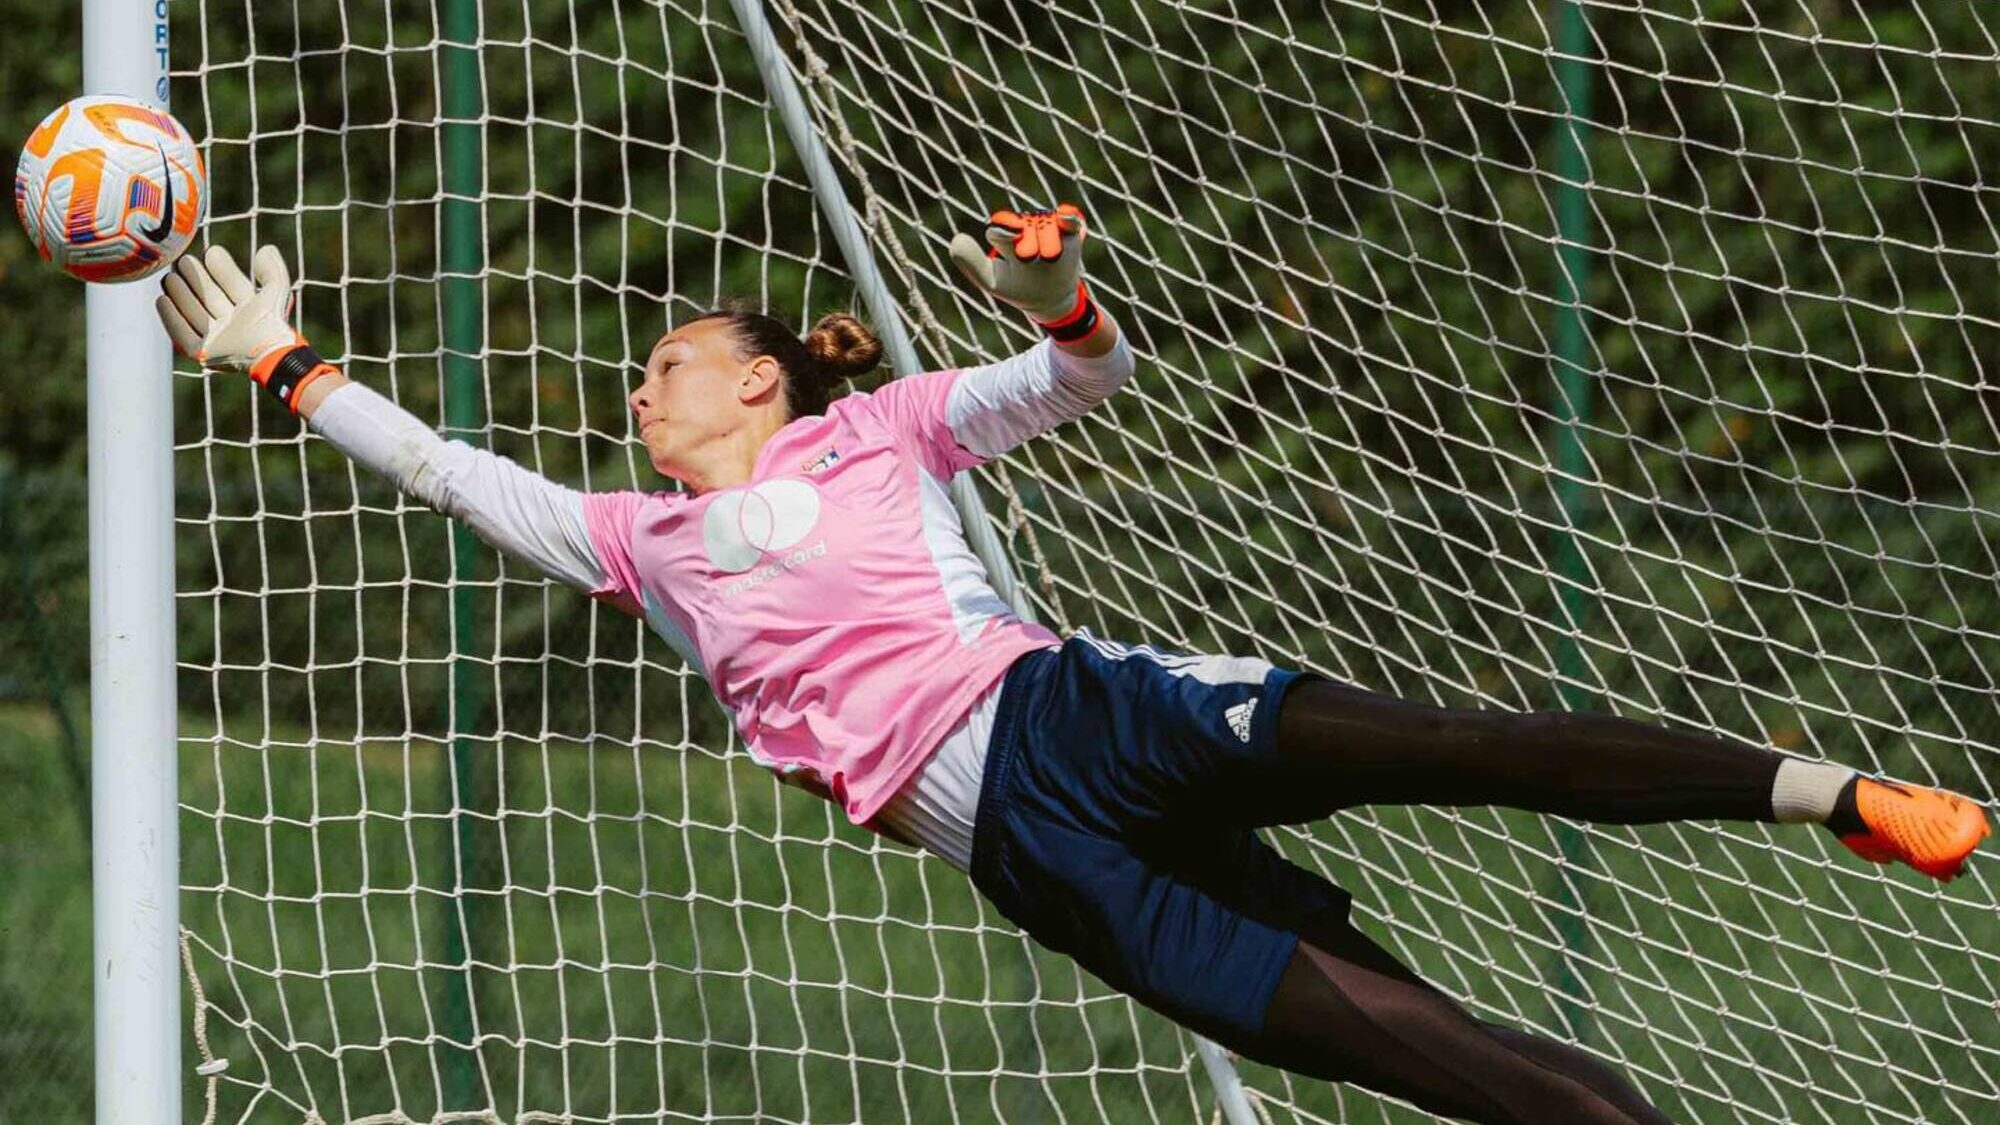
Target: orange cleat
(1932, 830)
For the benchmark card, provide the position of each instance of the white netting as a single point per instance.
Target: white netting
(1632, 357)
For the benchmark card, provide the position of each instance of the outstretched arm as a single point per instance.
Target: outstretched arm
(216, 316)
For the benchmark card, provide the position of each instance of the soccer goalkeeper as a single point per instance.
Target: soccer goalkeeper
(1105, 797)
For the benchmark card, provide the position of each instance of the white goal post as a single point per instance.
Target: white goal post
(1623, 354)
(134, 850)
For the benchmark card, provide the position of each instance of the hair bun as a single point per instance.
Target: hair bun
(843, 347)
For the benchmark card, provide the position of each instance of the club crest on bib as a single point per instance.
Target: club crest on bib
(742, 529)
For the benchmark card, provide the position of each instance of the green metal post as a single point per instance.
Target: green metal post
(462, 304)
(1575, 362)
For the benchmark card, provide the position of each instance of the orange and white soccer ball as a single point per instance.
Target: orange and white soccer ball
(110, 189)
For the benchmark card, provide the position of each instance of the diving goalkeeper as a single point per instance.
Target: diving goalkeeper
(1104, 796)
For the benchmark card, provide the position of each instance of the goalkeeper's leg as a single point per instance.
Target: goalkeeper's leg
(1362, 747)
(1340, 745)
(1352, 1013)
(1343, 1008)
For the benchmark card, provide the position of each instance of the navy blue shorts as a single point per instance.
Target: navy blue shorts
(1116, 824)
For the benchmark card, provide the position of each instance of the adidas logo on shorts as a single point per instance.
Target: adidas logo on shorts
(1239, 718)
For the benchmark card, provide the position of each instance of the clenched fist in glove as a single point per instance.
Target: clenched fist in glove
(1033, 261)
(218, 318)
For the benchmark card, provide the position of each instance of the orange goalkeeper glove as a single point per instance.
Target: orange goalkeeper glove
(1033, 261)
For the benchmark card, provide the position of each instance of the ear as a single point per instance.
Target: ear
(764, 373)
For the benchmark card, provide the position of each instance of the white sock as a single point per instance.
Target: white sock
(1805, 792)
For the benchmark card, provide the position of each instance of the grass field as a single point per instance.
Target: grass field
(45, 1057)
(661, 935)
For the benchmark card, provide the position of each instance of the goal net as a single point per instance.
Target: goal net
(1630, 356)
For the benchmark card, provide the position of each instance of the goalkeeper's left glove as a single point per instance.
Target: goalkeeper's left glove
(216, 317)
(1034, 262)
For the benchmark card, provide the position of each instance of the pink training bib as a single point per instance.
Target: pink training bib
(831, 602)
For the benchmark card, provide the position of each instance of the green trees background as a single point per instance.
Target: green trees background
(1337, 237)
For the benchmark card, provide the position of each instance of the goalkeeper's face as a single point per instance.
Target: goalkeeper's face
(699, 396)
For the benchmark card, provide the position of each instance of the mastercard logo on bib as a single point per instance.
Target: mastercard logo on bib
(759, 525)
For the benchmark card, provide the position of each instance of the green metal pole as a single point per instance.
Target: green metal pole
(1575, 362)
(462, 302)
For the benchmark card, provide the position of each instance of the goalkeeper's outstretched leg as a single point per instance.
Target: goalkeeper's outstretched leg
(1339, 745)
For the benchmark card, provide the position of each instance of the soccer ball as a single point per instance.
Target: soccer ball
(110, 189)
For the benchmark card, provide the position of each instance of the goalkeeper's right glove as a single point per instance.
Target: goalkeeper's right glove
(216, 317)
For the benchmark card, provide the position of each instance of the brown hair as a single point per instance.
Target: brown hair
(838, 347)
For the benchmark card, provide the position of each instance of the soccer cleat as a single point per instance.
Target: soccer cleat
(1930, 829)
